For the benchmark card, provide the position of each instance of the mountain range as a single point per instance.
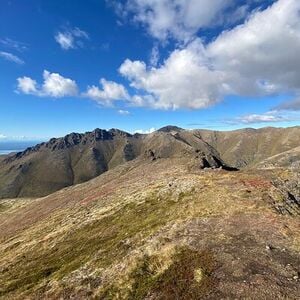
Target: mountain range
(175, 214)
(76, 158)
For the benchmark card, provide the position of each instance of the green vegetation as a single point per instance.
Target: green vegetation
(105, 236)
(157, 233)
(179, 281)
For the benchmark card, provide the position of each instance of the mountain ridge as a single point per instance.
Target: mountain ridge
(164, 219)
(78, 157)
(156, 230)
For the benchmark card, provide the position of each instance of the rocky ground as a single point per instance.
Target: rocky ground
(158, 229)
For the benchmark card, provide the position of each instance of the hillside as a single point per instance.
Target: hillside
(77, 158)
(247, 147)
(287, 159)
(158, 229)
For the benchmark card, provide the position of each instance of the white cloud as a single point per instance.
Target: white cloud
(261, 118)
(27, 85)
(54, 85)
(11, 57)
(147, 131)
(179, 19)
(154, 57)
(123, 112)
(71, 38)
(132, 69)
(58, 86)
(262, 55)
(2, 136)
(257, 58)
(110, 92)
(184, 80)
(65, 40)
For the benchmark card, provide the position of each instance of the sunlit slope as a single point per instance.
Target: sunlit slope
(155, 230)
(247, 147)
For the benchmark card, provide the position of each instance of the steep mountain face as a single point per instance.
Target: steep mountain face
(76, 158)
(247, 147)
(61, 162)
(152, 229)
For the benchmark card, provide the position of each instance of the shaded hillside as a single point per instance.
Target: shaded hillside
(155, 230)
(61, 162)
(76, 158)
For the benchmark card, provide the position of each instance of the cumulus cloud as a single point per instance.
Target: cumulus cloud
(179, 19)
(54, 85)
(58, 86)
(184, 80)
(262, 54)
(11, 57)
(27, 85)
(145, 131)
(257, 58)
(2, 136)
(110, 92)
(71, 38)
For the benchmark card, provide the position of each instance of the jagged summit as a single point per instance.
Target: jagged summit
(71, 140)
(79, 157)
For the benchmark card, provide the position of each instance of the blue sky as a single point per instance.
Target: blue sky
(138, 65)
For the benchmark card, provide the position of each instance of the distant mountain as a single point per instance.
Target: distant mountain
(170, 128)
(247, 147)
(76, 158)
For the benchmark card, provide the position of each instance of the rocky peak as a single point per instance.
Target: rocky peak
(170, 128)
(118, 132)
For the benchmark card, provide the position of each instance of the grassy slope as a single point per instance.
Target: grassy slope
(246, 147)
(157, 230)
